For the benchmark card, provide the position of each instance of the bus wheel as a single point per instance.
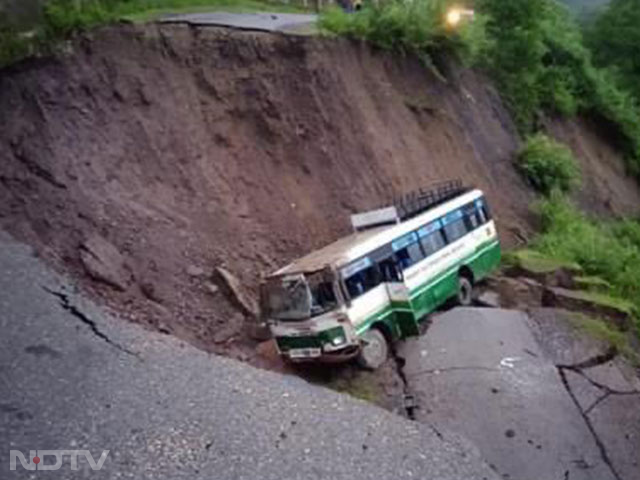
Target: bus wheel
(374, 350)
(465, 291)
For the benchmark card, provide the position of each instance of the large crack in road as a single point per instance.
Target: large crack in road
(409, 399)
(65, 303)
(579, 369)
(181, 413)
(483, 374)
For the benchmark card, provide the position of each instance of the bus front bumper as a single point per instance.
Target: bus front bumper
(329, 346)
(319, 355)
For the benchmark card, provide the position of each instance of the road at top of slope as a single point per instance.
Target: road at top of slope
(74, 378)
(264, 21)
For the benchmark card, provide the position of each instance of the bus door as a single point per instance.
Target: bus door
(399, 297)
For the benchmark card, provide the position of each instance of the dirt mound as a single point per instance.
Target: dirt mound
(146, 157)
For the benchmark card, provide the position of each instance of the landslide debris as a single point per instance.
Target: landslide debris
(146, 157)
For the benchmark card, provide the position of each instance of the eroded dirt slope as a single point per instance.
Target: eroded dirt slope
(148, 156)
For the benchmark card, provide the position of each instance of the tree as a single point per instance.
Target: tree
(515, 52)
(614, 38)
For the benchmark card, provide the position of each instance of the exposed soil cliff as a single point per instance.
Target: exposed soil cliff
(147, 156)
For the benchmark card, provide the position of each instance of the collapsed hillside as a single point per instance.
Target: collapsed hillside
(145, 157)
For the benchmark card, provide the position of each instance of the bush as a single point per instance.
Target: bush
(514, 54)
(548, 165)
(614, 37)
(415, 26)
(63, 17)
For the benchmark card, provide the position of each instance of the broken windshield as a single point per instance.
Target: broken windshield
(299, 298)
(288, 298)
(323, 297)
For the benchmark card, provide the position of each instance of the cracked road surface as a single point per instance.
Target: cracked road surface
(483, 373)
(72, 377)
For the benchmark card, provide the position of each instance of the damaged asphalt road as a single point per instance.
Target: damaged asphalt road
(72, 377)
(539, 401)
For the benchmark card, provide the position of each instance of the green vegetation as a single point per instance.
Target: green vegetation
(67, 16)
(585, 8)
(600, 330)
(534, 50)
(614, 38)
(362, 387)
(13, 44)
(62, 18)
(535, 262)
(546, 67)
(616, 304)
(547, 165)
(415, 27)
(514, 52)
(592, 283)
(608, 250)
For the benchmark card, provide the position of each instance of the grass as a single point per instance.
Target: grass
(609, 250)
(13, 44)
(601, 331)
(592, 283)
(63, 18)
(536, 262)
(619, 304)
(362, 386)
(591, 289)
(415, 27)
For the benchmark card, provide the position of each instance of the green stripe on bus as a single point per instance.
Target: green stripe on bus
(480, 250)
(421, 302)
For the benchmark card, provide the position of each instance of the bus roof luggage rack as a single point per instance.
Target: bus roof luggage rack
(419, 201)
(409, 205)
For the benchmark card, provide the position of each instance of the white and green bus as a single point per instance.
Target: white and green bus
(355, 296)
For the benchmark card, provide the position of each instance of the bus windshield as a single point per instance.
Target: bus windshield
(299, 297)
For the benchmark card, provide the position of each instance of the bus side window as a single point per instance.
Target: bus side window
(483, 210)
(454, 226)
(362, 281)
(410, 255)
(431, 238)
(390, 271)
(407, 250)
(473, 216)
(433, 242)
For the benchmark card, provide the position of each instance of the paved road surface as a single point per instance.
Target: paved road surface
(71, 377)
(267, 22)
(482, 373)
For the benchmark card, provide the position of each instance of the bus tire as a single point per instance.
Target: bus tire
(465, 291)
(374, 350)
